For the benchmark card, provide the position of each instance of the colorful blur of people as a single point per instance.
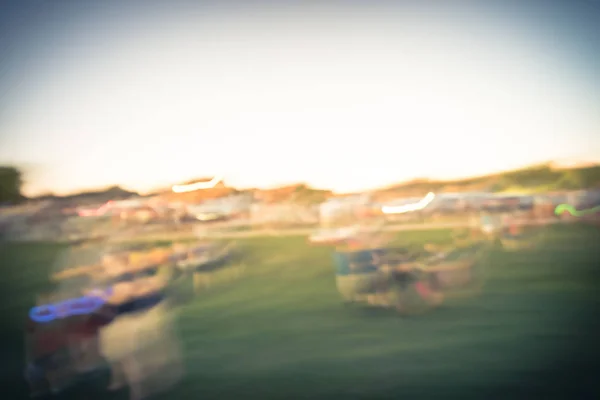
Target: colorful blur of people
(48, 366)
(511, 225)
(65, 350)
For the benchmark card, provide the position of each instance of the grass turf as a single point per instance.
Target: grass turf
(281, 331)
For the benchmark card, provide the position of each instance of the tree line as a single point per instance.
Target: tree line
(543, 178)
(11, 182)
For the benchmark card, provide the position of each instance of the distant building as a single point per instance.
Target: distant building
(344, 210)
(224, 207)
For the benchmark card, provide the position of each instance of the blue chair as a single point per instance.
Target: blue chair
(355, 262)
(357, 274)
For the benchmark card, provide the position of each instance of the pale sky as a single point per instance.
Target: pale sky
(347, 98)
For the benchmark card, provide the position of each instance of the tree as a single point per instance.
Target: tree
(10, 185)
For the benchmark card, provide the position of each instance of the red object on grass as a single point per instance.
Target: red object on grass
(423, 290)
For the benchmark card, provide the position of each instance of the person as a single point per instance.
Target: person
(46, 354)
(64, 349)
(413, 292)
(83, 338)
(357, 275)
(429, 293)
(514, 229)
(487, 224)
(512, 226)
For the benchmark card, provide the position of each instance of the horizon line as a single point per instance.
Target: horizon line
(157, 190)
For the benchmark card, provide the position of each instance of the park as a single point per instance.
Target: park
(281, 330)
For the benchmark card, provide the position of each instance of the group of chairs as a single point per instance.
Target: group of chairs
(410, 279)
(413, 279)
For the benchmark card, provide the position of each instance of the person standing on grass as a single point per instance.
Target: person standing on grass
(47, 355)
(487, 224)
(84, 342)
(65, 348)
(511, 225)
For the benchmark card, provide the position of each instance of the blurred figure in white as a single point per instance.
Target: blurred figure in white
(146, 351)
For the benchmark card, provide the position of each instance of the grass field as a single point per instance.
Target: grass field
(280, 331)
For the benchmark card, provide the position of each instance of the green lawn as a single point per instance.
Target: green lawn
(280, 331)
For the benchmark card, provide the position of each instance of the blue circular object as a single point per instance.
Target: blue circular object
(36, 313)
(67, 308)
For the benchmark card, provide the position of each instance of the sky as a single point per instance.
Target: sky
(341, 95)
